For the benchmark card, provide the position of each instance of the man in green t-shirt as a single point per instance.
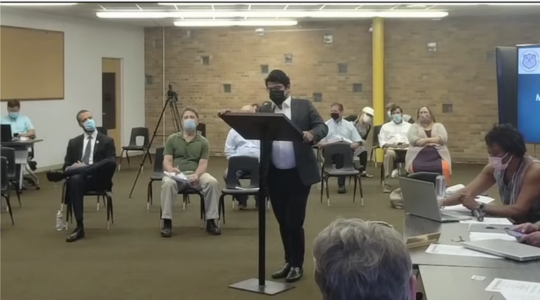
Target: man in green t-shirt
(187, 152)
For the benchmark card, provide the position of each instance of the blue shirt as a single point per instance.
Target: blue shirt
(20, 125)
(236, 145)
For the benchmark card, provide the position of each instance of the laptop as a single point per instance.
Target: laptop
(5, 133)
(507, 249)
(420, 199)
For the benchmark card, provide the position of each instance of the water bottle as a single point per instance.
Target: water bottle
(440, 187)
(59, 221)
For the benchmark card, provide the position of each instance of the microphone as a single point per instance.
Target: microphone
(478, 215)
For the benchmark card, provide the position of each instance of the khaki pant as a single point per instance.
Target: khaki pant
(210, 191)
(388, 161)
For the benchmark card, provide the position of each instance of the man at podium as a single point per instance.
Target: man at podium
(293, 169)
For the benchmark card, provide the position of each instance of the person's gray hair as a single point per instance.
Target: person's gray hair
(362, 260)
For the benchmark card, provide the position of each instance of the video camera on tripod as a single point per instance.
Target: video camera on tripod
(171, 103)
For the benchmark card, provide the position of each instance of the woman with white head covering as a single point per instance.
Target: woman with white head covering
(363, 124)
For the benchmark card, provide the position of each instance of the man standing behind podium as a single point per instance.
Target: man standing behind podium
(292, 171)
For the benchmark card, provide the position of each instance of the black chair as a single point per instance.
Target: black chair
(157, 175)
(375, 143)
(13, 180)
(425, 176)
(106, 193)
(201, 128)
(240, 163)
(102, 130)
(135, 133)
(5, 186)
(329, 170)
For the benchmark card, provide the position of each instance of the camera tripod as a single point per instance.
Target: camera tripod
(171, 103)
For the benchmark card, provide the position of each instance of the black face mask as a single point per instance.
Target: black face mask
(334, 116)
(278, 97)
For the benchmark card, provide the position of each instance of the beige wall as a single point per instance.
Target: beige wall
(461, 72)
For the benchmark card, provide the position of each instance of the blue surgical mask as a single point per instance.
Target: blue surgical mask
(397, 118)
(190, 125)
(13, 115)
(89, 125)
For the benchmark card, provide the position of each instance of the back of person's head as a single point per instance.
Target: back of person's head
(359, 260)
(507, 138)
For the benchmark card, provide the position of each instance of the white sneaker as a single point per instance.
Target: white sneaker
(395, 173)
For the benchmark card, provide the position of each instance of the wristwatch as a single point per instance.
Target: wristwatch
(481, 208)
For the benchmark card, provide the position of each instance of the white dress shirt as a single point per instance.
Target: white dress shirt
(341, 130)
(93, 144)
(283, 152)
(392, 133)
(236, 145)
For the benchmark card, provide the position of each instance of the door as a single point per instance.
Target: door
(112, 99)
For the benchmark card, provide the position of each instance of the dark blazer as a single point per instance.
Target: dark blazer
(103, 149)
(306, 117)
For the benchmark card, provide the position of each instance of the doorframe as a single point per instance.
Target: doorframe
(119, 99)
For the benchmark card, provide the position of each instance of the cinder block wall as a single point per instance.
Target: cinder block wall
(461, 72)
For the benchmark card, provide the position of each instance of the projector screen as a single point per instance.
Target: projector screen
(528, 88)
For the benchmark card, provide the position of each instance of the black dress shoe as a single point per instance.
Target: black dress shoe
(76, 235)
(166, 232)
(212, 228)
(294, 274)
(283, 272)
(342, 190)
(55, 176)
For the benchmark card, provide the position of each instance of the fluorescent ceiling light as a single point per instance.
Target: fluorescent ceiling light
(37, 4)
(227, 23)
(271, 14)
(246, 4)
(514, 4)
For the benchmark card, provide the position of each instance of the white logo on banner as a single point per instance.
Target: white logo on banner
(538, 97)
(529, 61)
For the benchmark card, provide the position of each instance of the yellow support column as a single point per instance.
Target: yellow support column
(378, 76)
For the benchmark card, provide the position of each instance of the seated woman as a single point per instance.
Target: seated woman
(363, 124)
(516, 174)
(427, 150)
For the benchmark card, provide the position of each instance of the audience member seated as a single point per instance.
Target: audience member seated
(427, 151)
(187, 152)
(393, 140)
(406, 118)
(255, 107)
(20, 124)
(89, 165)
(340, 130)
(363, 126)
(532, 232)
(236, 145)
(516, 175)
(355, 259)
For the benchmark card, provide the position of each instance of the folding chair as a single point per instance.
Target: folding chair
(6, 186)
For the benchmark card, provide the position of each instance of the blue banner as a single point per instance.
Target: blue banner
(529, 93)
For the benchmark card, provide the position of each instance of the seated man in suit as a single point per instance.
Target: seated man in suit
(20, 124)
(89, 165)
(340, 130)
(236, 145)
(187, 152)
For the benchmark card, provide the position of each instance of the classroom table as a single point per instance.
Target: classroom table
(452, 234)
(21, 156)
(453, 283)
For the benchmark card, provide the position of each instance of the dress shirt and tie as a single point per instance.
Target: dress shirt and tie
(392, 133)
(283, 152)
(88, 147)
(236, 145)
(19, 125)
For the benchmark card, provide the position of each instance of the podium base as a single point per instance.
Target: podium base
(270, 288)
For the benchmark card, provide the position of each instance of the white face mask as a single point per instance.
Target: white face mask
(366, 119)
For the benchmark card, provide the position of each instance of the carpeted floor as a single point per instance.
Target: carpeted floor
(131, 260)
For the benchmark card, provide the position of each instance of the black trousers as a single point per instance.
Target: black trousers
(94, 177)
(288, 196)
(363, 157)
(337, 159)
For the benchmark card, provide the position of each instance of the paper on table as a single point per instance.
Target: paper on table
(484, 199)
(481, 236)
(490, 221)
(513, 296)
(461, 208)
(456, 250)
(514, 287)
(177, 177)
